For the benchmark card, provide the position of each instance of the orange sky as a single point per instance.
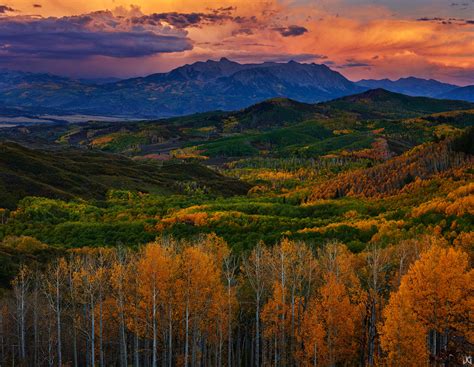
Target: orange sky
(359, 38)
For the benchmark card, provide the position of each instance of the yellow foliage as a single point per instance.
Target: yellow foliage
(435, 295)
(24, 243)
(103, 140)
(458, 202)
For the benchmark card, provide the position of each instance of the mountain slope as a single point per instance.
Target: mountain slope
(74, 173)
(200, 87)
(462, 93)
(390, 177)
(379, 103)
(410, 86)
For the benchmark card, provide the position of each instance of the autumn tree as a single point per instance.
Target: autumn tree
(435, 298)
(21, 289)
(328, 338)
(54, 280)
(254, 269)
(156, 271)
(291, 265)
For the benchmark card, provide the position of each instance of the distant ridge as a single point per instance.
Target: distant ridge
(410, 86)
(380, 103)
(462, 93)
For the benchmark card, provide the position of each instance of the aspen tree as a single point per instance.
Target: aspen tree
(53, 283)
(438, 301)
(254, 269)
(21, 288)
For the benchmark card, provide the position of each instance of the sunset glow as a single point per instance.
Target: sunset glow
(359, 38)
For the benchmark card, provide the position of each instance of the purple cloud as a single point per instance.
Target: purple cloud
(5, 9)
(78, 37)
(446, 21)
(186, 20)
(274, 57)
(291, 31)
(353, 63)
(177, 20)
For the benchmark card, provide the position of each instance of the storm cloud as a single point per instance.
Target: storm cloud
(95, 34)
(182, 20)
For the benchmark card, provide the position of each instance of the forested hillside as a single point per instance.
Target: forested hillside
(72, 173)
(413, 167)
(283, 234)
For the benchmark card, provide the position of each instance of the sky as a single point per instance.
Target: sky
(126, 38)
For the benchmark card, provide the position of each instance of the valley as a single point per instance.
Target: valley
(376, 175)
(289, 167)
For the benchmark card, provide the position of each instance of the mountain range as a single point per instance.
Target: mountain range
(199, 87)
(410, 86)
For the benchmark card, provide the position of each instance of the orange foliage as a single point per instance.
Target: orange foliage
(392, 176)
(436, 295)
(458, 202)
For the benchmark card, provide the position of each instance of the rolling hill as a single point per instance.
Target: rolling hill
(380, 103)
(277, 126)
(74, 173)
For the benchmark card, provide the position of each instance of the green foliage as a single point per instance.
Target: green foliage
(16, 251)
(73, 173)
(270, 157)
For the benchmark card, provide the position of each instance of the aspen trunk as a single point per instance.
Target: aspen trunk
(186, 342)
(92, 316)
(155, 346)
(58, 322)
(170, 337)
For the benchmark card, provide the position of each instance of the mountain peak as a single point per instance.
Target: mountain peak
(375, 94)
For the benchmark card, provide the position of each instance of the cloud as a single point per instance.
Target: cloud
(244, 31)
(446, 21)
(4, 9)
(37, 6)
(255, 57)
(353, 63)
(77, 37)
(382, 40)
(291, 31)
(182, 20)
